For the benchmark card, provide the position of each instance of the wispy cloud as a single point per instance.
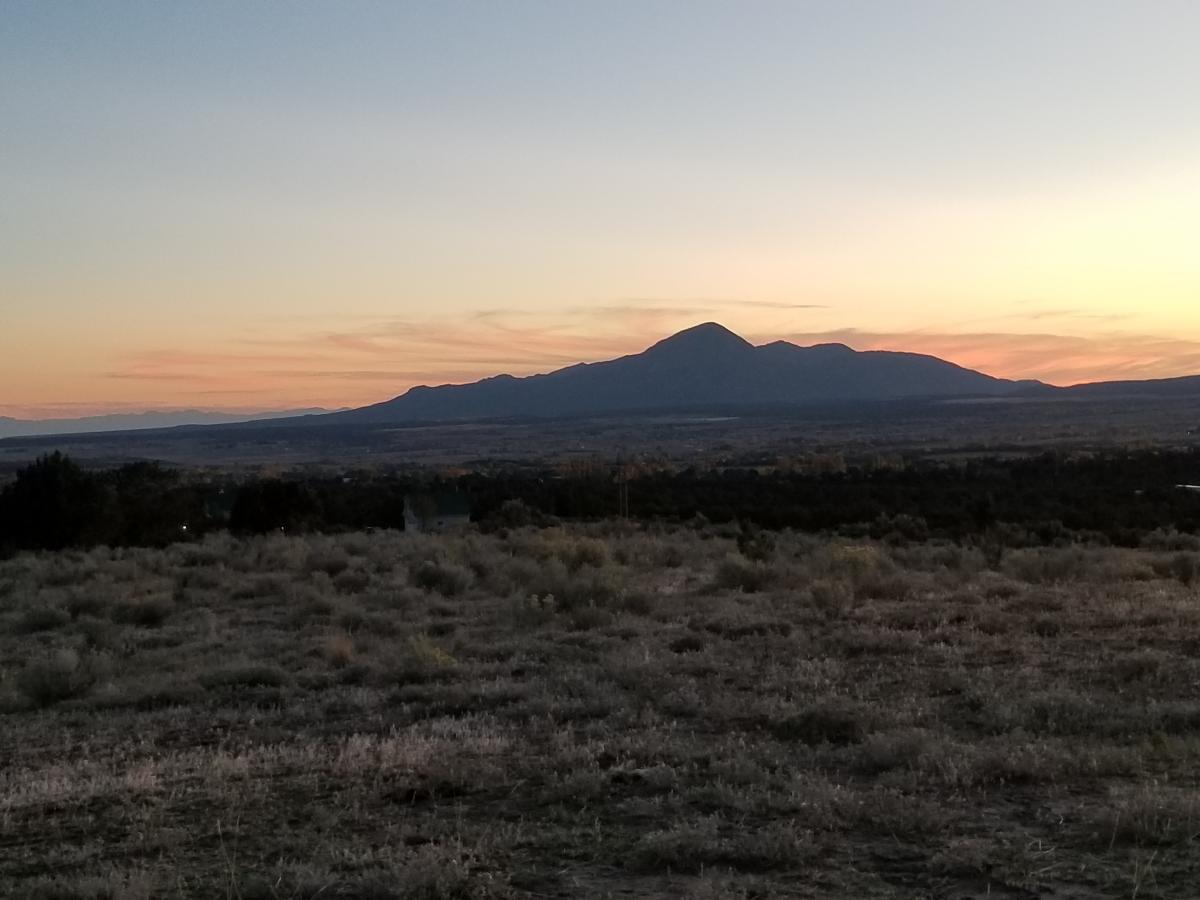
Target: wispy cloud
(1041, 314)
(367, 361)
(1057, 358)
(767, 304)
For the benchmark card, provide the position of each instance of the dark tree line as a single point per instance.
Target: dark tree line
(53, 504)
(1118, 498)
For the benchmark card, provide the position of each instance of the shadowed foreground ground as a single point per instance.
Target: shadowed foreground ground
(602, 711)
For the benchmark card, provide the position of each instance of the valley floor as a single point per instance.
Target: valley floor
(601, 710)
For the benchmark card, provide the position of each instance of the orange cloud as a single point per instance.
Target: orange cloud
(1055, 358)
(293, 364)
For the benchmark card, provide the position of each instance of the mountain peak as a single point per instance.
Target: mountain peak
(833, 347)
(705, 366)
(706, 338)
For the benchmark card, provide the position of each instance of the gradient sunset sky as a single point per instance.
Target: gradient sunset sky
(254, 205)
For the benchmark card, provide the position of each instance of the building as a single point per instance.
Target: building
(436, 512)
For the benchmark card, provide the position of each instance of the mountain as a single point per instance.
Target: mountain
(704, 366)
(1184, 386)
(135, 421)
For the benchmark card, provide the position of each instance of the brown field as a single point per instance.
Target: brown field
(602, 710)
(917, 429)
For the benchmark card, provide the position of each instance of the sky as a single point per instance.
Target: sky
(247, 206)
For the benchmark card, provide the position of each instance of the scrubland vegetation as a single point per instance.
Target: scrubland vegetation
(1115, 496)
(600, 710)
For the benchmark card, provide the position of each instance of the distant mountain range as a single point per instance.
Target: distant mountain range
(137, 421)
(710, 366)
(704, 367)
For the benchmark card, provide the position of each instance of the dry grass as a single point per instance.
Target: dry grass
(602, 710)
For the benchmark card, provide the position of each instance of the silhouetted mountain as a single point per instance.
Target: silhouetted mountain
(1185, 386)
(136, 421)
(704, 366)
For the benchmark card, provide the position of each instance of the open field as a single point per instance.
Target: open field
(600, 710)
(920, 428)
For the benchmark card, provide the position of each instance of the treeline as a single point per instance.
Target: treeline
(1116, 498)
(54, 504)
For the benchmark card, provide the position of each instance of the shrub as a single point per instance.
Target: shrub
(513, 514)
(165, 696)
(596, 587)
(42, 618)
(1046, 626)
(331, 562)
(352, 618)
(422, 660)
(584, 552)
(709, 843)
(1170, 539)
(315, 605)
(247, 675)
(637, 603)
(585, 618)
(755, 544)
(98, 633)
(686, 847)
(352, 581)
(533, 610)
(1185, 568)
(820, 725)
(1048, 565)
(603, 586)
(148, 613)
(263, 586)
(518, 575)
(82, 604)
(446, 579)
(339, 650)
(889, 585)
(61, 677)
(672, 556)
(688, 643)
(834, 598)
(907, 748)
(1063, 711)
(735, 572)
(1152, 816)
(848, 562)
(132, 887)
(425, 653)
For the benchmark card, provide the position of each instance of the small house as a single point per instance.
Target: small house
(436, 512)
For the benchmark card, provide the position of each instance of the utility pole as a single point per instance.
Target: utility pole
(622, 480)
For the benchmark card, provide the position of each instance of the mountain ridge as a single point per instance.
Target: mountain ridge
(705, 365)
(140, 421)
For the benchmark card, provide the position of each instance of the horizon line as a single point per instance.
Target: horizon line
(74, 411)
